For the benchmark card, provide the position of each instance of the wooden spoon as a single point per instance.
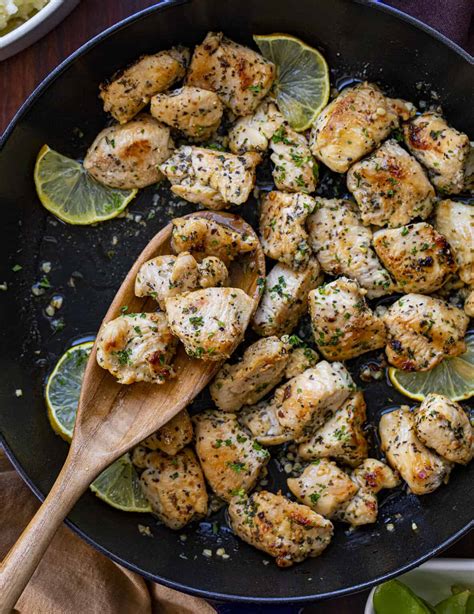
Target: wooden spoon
(112, 418)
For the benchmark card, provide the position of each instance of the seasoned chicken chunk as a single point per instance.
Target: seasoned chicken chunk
(283, 529)
(166, 276)
(421, 469)
(231, 460)
(343, 245)
(253, 132)
(308, 400)
(423, 330)
(362, 509)
(214, 179)
(244, 383)
(282, 231)
(440, 148)
(211, 322)
(284, 298)
(374, 475)
(390, 187)
(137, 347)
(195, 112)
(342, 437)
(203, 237)
(456, 222)
(354, 123)
(295, 169)
(443, 425)
(173, 436)
(323, 487)
(175, 487)
(240, 76)
(129, 156)
(343, 325)
(416, 256)
(130, 90)
(301, 358)
(261, 420)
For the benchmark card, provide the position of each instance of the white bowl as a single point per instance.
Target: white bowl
(34, 28)
(432, 581)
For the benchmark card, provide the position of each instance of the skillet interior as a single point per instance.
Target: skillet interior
(357, 41)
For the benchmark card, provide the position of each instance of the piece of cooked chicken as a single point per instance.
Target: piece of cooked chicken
(422, 330)
(244, 383)
(197, 113)
(374, 475)
(456, 222)
(323, 487)
(282, 232)
(214, 179)
(288, 531)
(422, 469)
(253, 132)
(362, 509)
(231, 460)
(166, 276)
(210, 322)
(440, 148)
(130, 90)
(416, 256)
(285, 298)
(137, 347)
(343, 245)
(343, 324)
(128, 156)
(308, 400)
(295, 169)
(354, 123)
(342, 437)
(390, 187)
(174, 486)
(443, 425)
(240, 76)
(203, 237)
(173, 436)
(261, 420)
(301, 358)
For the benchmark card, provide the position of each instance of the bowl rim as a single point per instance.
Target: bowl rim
(30, 24)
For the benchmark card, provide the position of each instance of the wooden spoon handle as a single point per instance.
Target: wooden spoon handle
(22, 560)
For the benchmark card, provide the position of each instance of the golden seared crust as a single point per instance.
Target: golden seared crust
(444, 426)
(244, 383)
(443, 150)
(253, 132)
(416, 256)
(423, 470)
(390, 187)
(173, 436)
(197, 113)
(261, 420)
(128, 156)
(130, 90)
(455, 221)
(423, 330)
(175, 487)
(343, 324)
(294, 167)
(285, 298)
(342, 245)
(240, 76)
(353, 124)
(283, 529)
(342, 437)
(231, 460)
(212, 178)
(137, 347)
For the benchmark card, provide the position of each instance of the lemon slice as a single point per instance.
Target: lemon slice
(302, 80)
(453, 377)
(118, 485)
(66, 189)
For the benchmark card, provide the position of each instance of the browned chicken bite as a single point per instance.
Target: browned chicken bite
(456, 222)
(294, 167)
(253, 132)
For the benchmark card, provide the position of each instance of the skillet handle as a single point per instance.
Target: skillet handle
(255, 608)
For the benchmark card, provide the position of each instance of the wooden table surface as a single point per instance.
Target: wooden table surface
(20, 74)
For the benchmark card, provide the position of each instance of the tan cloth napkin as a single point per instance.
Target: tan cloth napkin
(73, 578)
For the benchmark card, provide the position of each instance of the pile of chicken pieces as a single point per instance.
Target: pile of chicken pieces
(395, 236)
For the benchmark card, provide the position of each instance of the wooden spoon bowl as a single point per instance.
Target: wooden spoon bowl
(112, 418)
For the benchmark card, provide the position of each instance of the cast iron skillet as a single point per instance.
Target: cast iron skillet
(359, 41)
